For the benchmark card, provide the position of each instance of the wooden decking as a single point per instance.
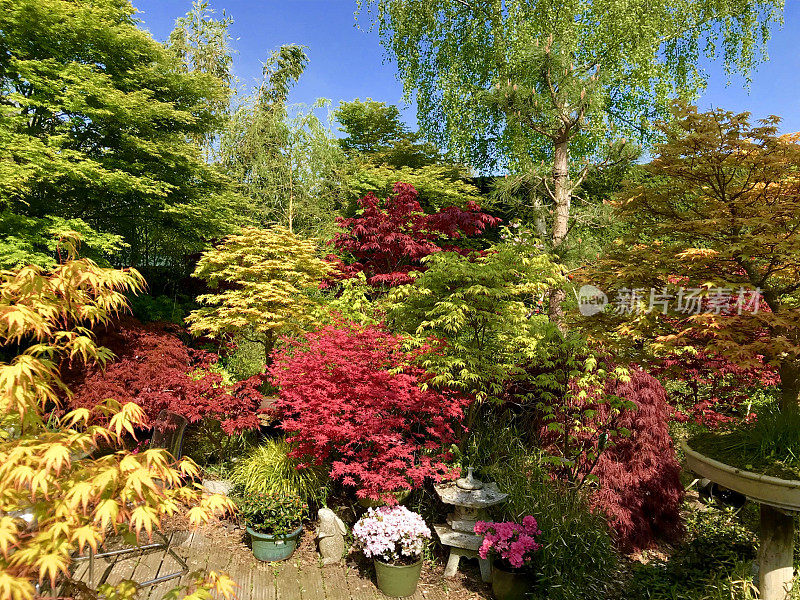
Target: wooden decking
(299, 578)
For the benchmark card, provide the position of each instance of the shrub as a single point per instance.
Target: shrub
(639, 475)
(390, 237)
(262, 280)
(155, 369)
(481, 307)
(244, 358)
(76, 504)
(270, 469)
(351, 399)
(170, 309)
(608, 428)
(514, 544)
(577, 559)
(391, 534)
(712, 563)
(715, 389)
(274, 514)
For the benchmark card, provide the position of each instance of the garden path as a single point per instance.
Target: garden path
(299, 578)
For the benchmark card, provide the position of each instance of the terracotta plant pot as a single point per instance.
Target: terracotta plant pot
(271, 548)
(511, 585)
(397, 581)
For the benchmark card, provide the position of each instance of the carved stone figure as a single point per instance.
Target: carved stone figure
(330, 536)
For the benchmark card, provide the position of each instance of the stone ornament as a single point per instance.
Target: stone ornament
(470, 499)
(330, 536)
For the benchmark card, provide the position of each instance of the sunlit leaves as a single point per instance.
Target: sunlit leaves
(265, 278)
(46, 476)
(483, 307)
(720, 209)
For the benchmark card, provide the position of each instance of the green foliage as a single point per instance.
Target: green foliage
(768, 445)
(566, 390)
(275, 514)
(714, 563)
(284, 165)
(383, 151)
(28, 240)
(482, 306)
(246, 360)
(439, 185)
(577, 560)
(97, 122)
(486, 73)
(202, 45)
(206, 443)
(265, 279)
(369, 126)
(351, 301)
(545, 88)
(269, 469)
(147, 308)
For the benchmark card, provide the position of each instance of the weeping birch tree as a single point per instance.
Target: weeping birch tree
(521, 84)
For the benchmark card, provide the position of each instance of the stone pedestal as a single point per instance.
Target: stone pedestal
(469, 506)
(779, 500)
(775, 564)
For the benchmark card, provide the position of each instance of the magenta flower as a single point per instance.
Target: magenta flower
(512, 542)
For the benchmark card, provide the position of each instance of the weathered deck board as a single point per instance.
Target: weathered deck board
(288, 587)
(167, 566)
(335, 583)
(264, 582)
(257, 580)
(360, 589)
(311, 586)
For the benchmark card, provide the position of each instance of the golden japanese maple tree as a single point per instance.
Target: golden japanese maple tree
(70, 476)
(263, 282)
(717, 210)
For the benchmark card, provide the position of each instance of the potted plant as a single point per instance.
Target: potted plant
(393, 537)
(512, 547)
(274, 522)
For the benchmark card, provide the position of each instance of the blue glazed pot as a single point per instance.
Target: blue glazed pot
(270, 548)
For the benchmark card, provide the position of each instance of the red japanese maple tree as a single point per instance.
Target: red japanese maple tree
(639, 476)
(350, 398)
(717, 387)
(628, 450)
(390, 237)
(155, 369)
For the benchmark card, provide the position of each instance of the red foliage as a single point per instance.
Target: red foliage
(155, 369)
(639, 487)
(718, 387)
(350, 398)
(390, 238)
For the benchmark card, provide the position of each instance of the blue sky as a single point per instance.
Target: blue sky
(347, 62)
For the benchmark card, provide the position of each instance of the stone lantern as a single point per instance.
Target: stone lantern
(470, 499)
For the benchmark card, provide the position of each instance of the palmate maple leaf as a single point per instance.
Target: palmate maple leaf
(75, 503)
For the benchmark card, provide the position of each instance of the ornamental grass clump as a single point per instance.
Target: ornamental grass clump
(511, 544)
(392, 534)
